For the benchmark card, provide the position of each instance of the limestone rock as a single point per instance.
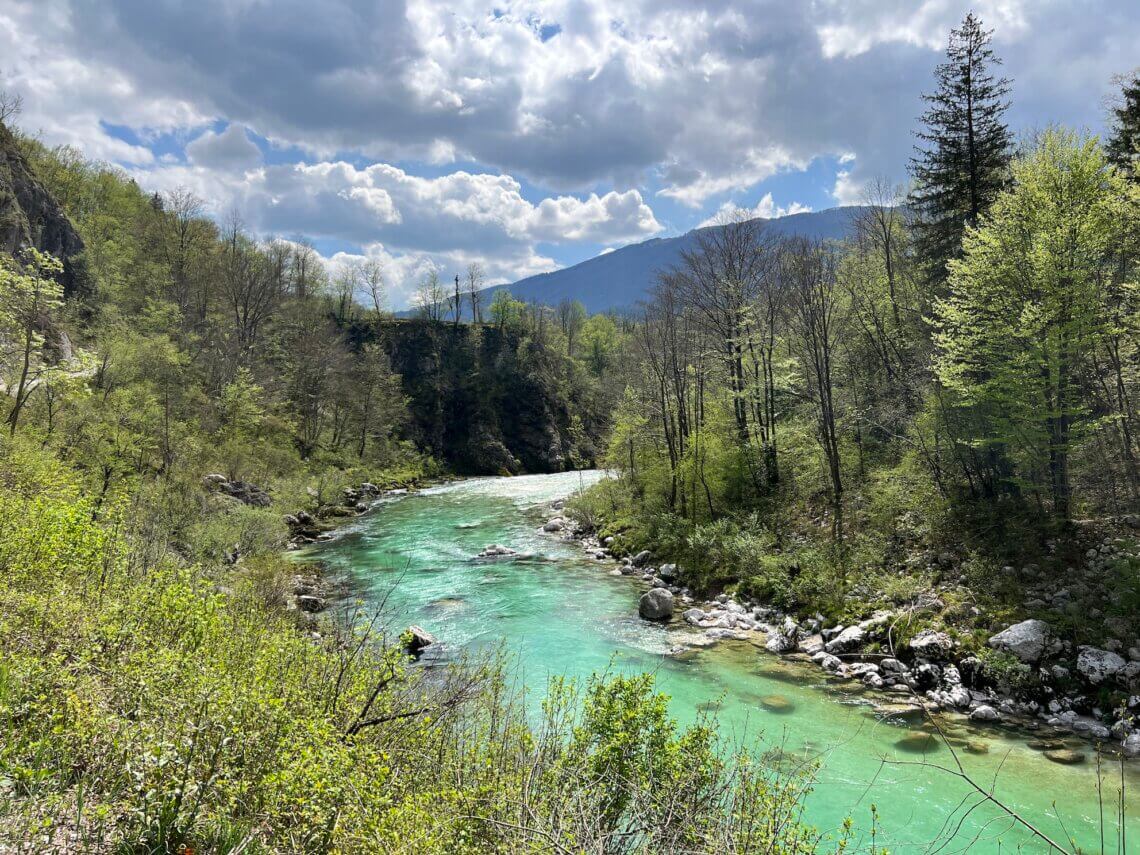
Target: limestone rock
(1027, 640)
(1097, 665)
(985, 713)
(848, 640)
(417, 638)
(656, 604)
(931, 644)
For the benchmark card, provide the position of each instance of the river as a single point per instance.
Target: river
(560, 612)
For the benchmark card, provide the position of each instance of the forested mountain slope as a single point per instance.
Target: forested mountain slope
(618, 280)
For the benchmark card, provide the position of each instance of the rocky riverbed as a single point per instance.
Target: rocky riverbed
(929, 668)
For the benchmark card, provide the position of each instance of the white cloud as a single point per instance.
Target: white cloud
(459, 210)
(232, 149)
(847, 190)
(70, 98)
(854, 27)
(766, 208)
(451, 219)
(404, 272)
(632, 99)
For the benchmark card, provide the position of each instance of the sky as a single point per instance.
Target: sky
(525, 136)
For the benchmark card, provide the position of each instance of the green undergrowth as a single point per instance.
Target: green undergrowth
(160, 706)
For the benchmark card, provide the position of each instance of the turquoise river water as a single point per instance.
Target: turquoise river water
(560, 612)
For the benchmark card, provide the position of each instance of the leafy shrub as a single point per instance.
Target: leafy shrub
(1008, 672)
(145, 711)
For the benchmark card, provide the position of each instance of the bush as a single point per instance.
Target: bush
(145, 711)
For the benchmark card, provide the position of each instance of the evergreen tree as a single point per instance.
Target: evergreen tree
(1123, 146)
(962, 159)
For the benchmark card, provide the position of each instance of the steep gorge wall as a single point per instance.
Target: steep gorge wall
(488, 400)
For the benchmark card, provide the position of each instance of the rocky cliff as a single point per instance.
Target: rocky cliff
(30, 215)
(489, 400)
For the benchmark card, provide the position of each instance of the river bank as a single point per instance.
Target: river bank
(927, 669)
(554, 610)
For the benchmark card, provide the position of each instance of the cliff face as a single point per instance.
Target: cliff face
(487, 400)
(30, 216)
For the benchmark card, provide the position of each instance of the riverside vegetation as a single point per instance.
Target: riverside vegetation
(182, 401)
(920, 445)
(935, 420)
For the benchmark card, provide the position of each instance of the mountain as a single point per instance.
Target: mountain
(619, 279)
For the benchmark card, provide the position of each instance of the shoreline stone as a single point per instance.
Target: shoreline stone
(656, 604)
(934, 677)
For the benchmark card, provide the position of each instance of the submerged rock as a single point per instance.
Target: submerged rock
(918, 742)
(777, 704)
(1065, 756)
(656, 604)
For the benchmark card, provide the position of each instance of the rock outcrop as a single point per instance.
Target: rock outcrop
(31, 216)
(1097, 665)
(487, 399)
(243, 491)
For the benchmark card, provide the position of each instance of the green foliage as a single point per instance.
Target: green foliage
(1027, 307)
(30, 298)
(146, 708)
(1008, 672)
(960, 165)
(1123, 145)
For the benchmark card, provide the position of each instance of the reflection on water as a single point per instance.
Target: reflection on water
(560, 612)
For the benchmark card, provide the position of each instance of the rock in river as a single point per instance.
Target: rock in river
(777, 704)
(656, 604)
(850, 639)
(985, 713)
(416, 638)
(496, 551)
(1065, 756)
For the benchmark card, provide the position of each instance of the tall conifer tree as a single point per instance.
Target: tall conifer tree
(1123, 146)
(961, 162)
